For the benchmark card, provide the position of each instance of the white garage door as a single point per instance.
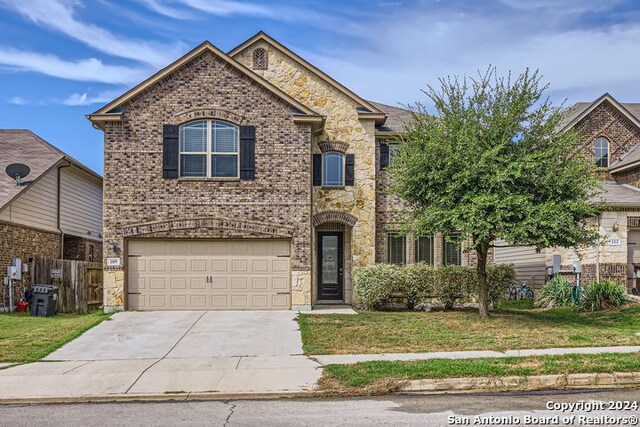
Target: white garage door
(208, 275)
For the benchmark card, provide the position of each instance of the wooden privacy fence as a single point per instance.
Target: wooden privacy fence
(80, 284)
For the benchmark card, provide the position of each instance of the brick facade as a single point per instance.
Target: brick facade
(606, 121)
(139, 202)
(17, 241)
(81, 249)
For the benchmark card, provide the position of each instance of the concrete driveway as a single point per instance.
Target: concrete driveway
(147, 353)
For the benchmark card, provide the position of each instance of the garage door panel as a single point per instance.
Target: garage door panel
(157, 283)
(197, 283)
(238, 283)
(199, 301)
(198, 265)
(260, 283)
(156, 301)
(157, 265)
(178, 301)
(219, 283)
(209, 275)
(178, 282)
(179, 265)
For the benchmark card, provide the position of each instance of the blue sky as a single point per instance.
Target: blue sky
(62, 59)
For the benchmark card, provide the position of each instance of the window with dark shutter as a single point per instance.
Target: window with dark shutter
(317, 169)
(424, 249)
(349, 173)
(170, 151)
(384, 156)
(247, 152)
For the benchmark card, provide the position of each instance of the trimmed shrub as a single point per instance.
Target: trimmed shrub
(499, 277)
(452, 283)
(603, 295)
(376, 283)
(419, 282)
(555, 293)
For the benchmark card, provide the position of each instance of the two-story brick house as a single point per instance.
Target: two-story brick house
(248, 180)
(609, 134)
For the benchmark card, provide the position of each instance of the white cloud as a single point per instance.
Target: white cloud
(59, 15)
(85, 98)
(410, 49)
(18, 100)
(90, 69)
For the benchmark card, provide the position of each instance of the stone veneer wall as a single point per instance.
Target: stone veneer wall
(18, 241)
(138, 202)
(342, 124)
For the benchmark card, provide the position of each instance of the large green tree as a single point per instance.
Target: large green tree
(491, 163)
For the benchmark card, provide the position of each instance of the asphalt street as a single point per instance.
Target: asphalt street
(505, 409)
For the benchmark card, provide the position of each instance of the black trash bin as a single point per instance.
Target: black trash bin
(45, 298)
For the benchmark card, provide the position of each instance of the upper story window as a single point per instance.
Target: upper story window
(394, 149)
(451, 250)
(209, 149)
(333, 169)
(602, 152)
(260, 59)
(424, 249)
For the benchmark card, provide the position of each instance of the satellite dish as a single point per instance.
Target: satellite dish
(17, 171)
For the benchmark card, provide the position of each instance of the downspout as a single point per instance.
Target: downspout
(58, 211)
(598, 252)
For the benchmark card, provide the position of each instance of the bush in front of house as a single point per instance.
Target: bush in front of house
(555, 293)
(602, 295)
(376, 283)
(454, 282)
(419, 281)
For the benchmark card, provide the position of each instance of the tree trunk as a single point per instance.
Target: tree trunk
(483, 293)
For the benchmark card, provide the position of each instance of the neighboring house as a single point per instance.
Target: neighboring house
(610, 136)
(55, 212)
(247, 180)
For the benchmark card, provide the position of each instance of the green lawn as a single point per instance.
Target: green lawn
(368, 373)
(24, 338)
(515, 326)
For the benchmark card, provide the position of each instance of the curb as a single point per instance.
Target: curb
(167, 397)
(520, 383)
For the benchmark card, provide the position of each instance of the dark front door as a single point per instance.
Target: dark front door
(330, 260)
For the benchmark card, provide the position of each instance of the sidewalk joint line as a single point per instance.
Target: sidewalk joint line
(238, 364)
(76, 367)
(163, 357)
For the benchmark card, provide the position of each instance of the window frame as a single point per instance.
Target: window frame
(209, 153)
(343, 159)
(445, 242)
(597, 148)
(393, 147)
(416, 254)
(396, 235)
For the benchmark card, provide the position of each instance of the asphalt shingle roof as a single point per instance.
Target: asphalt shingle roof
(396, 117)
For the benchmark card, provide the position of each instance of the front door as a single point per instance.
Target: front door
(330, 263)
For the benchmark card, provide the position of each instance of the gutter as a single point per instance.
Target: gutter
(69, 164)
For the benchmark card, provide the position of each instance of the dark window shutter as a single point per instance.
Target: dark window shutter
(384, 156)
(170, 151)
(247, 152)
(349, 172)
(317, 169)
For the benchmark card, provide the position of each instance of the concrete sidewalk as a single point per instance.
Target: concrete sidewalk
(347, 359)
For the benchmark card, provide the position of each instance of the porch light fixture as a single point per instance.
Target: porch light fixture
(615, 226)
